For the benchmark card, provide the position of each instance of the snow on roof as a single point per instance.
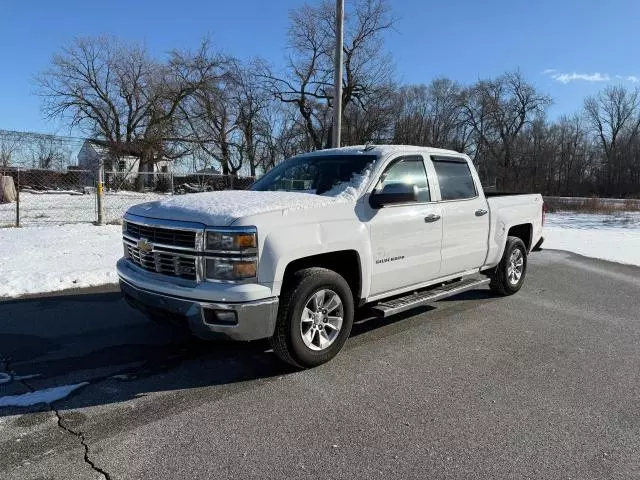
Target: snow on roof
(104, 151)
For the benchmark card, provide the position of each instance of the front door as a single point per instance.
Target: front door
(405, 238)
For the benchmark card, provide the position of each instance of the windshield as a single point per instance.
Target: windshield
(318, 174)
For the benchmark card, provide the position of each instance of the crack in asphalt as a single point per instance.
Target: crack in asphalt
(80, 435)
(147, 368)
(83, 442)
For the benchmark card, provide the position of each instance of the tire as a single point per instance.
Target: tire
(294, 340)
(503, 281)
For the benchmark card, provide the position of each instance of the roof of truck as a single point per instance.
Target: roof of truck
(381, 150)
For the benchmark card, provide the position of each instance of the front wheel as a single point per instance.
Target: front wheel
(508, 277)
(315, 317)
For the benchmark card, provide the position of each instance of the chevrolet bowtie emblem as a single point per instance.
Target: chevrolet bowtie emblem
(145, 245)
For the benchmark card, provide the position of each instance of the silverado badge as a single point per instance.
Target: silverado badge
(145, 245)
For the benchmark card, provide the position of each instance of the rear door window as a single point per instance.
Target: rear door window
(455, 179)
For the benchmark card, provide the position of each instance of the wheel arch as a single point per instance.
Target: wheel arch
(346, 263)
(524, 232)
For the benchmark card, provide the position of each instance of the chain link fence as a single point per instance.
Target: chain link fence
(46, 197)
(56, 197)
(56, 180)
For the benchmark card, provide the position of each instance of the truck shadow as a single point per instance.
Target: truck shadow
(97, 338)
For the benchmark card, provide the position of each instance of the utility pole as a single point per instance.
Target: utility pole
(337, 83)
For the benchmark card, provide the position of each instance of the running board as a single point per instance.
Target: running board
(416, 299)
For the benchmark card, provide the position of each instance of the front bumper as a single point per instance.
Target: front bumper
(243, 321)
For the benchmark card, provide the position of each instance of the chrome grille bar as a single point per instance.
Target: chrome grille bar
(166, 263)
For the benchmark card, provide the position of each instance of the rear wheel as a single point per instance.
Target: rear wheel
(508, 277)
(315, 317)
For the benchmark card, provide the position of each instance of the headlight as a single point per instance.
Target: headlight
(231, 268)
(231, 253)
(230, 241)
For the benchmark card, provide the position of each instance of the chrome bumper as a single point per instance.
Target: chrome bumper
(208, 320)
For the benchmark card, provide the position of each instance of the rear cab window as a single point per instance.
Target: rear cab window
(455, 178)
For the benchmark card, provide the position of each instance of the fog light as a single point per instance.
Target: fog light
(219, 317)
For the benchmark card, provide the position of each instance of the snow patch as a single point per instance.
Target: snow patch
(50, 192)
(352, 190)
(49, 259)
(47, 395)
(222, 208)
(615, 238)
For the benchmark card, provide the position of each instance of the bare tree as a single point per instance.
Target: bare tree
(431, 115)
(49, 152)
(252, 101)
(279, 135)
(214, 110)
(10, 144)
(569, 135)
(117, 93)
(308, 84)
(614, 116)
(210, 113)
(497, 111)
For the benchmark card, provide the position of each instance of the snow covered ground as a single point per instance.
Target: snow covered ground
(613, 237)
(53, 258)
(49, 258)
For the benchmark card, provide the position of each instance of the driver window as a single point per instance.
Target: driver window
(409, 170)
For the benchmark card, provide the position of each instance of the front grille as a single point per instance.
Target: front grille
(167, 263)
(163, 236)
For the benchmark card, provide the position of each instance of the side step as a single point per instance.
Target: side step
(415, 299)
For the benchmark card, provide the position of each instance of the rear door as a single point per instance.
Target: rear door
(465, 215)
(405, 238)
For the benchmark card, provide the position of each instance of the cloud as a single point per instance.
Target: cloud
(585, 77)
(566, 78)
(629, 78)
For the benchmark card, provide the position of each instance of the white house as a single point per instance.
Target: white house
(94, 151)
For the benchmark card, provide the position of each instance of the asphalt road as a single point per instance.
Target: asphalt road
(544, 384)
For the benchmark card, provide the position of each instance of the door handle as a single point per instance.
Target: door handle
(480, 212)
(432, 217)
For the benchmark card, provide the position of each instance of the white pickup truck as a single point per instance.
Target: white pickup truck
(319, 236)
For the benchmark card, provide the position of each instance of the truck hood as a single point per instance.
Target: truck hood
(225, 207)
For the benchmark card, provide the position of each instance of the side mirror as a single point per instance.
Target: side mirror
(393, 193)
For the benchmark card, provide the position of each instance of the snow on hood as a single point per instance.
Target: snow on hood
(224, 207)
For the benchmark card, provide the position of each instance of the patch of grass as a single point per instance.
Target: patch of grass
(592, 205)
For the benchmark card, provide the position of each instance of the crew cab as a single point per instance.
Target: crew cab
(386, 228)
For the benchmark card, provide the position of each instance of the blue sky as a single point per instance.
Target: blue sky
(587, 43)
